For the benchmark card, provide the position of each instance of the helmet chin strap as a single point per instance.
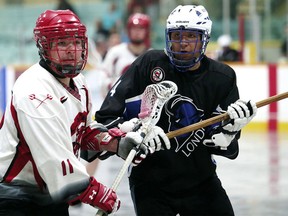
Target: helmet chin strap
(137, 42)
(63, 71)
(47, 65)
(66, 69)
(185, 65)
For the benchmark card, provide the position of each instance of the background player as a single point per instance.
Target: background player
(49, 122)
(182, 180)
(226, 53)
(121, 56)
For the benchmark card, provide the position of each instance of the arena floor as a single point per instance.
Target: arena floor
(256, 182)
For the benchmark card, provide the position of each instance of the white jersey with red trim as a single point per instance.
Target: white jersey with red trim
(40, 136)
(117, 61)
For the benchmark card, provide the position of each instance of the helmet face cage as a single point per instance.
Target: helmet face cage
(180, 63)
(142, 21)
(54, 28)
(193, 19)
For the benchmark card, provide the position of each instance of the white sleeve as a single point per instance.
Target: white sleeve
(91, 103)
(109, 62)
(46, 129)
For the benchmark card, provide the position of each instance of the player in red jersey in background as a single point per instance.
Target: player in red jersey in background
(121, 56)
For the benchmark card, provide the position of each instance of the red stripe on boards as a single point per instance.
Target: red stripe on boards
(273, 136)
(272, 121)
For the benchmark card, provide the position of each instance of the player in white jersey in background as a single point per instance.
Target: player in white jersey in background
(47, 124)
(121, 56)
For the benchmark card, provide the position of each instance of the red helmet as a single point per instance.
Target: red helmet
(53, 25)
(139, 20)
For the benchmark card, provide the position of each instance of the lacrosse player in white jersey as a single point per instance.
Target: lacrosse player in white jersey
(47, 124)
(121, 56)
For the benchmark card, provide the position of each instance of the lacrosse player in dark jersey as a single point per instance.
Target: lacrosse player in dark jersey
(183, 179)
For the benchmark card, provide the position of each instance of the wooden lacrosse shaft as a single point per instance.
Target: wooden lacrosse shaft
(222, 117)
(120, 175)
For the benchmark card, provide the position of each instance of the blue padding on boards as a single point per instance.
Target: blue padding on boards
(2, 89)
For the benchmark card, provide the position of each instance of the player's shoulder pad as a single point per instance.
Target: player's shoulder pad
(39, 104)
(220, 67)
(151, 55)
(37, 94)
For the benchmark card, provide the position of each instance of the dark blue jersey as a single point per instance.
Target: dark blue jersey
(202, 94)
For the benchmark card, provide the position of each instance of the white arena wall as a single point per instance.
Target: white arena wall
(255, 82)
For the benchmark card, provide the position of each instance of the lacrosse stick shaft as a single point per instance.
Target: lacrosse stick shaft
(222, 117)
(120, 175)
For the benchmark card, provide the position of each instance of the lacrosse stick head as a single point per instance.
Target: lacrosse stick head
(153, 100)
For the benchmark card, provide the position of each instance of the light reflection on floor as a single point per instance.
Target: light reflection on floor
(256, 182)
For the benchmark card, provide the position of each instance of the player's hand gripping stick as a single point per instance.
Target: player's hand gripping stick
(222, 117)
(153, 99)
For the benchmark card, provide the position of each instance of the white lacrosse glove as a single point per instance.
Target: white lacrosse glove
(156, 139)
(240, 113)
(128, 126)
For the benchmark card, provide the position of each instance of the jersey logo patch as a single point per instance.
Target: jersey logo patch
(63, 99)
(181, 112)
(157, 75)
(33, 97)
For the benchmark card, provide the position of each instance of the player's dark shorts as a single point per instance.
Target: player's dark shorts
(207, 199)
(10, 207)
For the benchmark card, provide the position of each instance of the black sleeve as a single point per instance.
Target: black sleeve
(230, 96)
(131, 84)
(112, 108)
